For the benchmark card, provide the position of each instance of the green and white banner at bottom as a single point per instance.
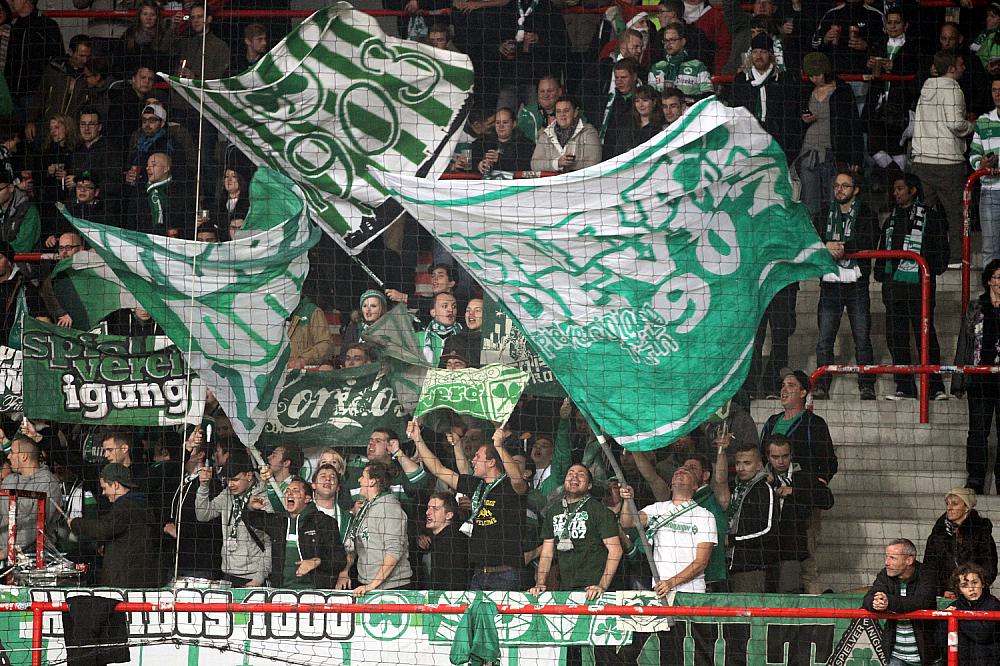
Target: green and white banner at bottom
(257, 639)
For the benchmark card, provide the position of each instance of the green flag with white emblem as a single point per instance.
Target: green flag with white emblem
(336, 100)
(224, 304)
(489, 393)
(640, 280)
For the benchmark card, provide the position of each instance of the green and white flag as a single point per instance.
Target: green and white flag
(489, 393)
(73, 376)
(640, 280)
(224, 304)
(336, 100)
(335, 408)
(88, 289)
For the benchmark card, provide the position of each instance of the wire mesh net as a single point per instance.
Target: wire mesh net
(310, 303)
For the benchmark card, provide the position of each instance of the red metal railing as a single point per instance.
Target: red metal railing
(12, 496)
(952, 617)
(925, 315)
(970, 184)
(474, 175)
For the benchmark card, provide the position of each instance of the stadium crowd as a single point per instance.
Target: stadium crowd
(880, 163)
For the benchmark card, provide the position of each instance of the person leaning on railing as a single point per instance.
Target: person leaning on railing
(978, 344)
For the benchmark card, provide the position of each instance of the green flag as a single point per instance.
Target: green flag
(224, 305)
(335, 408)
(336, 100)
(398, 347)
(640, 280)
(489, 393)
(88, 289)
(73, 376)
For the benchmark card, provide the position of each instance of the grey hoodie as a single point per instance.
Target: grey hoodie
(42, 481)
(241, 556)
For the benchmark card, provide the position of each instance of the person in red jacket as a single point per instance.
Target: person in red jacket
(712, 22)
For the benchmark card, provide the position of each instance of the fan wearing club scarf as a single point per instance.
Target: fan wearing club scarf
(764, 91)
(444, 324)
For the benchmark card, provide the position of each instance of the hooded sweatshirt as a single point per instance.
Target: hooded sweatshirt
(940, 125)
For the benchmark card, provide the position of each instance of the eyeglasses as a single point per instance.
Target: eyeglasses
(69, 247)
(672, 40)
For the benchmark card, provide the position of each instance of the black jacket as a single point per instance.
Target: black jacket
(919, 596)
(753, 532)
(811, 442)
(319, 536)
(865, 236)
(795, 510)
(131, 536)
(448, 560)
(515, 154)
(979, 640)
(934, 248)
(970, 338)
(34, 41)
(973, 542)
(846, 139)
(783, 118)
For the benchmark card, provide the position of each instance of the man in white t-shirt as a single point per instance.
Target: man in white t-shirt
(682, 535)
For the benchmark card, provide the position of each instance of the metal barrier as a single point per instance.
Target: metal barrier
(970, 183)
(925, 316)
(12, 496)
(952, 617)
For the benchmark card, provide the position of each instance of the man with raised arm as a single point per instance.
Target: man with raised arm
(682, 535)
(496, 524)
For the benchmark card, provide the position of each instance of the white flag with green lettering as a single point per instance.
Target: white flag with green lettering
(336, 100)
(224, 304)
(640, 280)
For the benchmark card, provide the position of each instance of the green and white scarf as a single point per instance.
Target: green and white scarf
(841, 227)
(655, 524)
(157, 193)
(916, 217)
(444, 331)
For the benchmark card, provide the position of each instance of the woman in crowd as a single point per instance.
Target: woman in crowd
(52, 166)
(830, 118)
(506, 149)
(978, 640)
(960, 536)
(372, 305)
(145, 41)
(979, 344)
(646, 115)
(233, 201)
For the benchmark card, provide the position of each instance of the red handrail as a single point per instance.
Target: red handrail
(473, 175)
(925, 313)
(37, 609)
(970, 184)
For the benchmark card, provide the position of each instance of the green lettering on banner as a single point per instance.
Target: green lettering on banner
(76, 377)
(392, 638)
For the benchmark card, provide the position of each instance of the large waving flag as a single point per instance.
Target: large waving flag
(336, 100)
(88, 289)
(224, 304)
(640, 280)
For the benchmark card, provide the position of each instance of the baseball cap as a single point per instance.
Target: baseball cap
(113, 472)
(157, 110)
(801, 377)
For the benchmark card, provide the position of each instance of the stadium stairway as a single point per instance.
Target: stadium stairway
(894, 471)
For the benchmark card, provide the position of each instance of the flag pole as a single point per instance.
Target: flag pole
(643, 539)
(364, 267)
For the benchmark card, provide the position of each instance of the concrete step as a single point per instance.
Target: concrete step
(897, 479)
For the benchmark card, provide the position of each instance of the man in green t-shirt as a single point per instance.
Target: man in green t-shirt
(581, 534)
